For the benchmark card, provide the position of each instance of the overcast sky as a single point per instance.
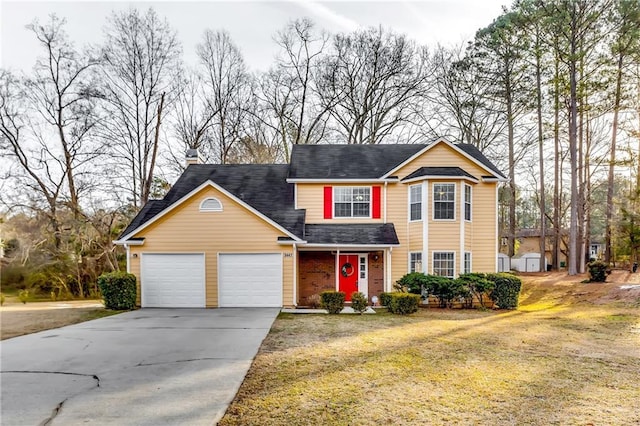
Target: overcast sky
(250, 23)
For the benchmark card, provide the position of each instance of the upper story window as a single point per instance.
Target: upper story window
(352, 201)
(467, 202)
(415, 202)
(444, 201)
(211, 205)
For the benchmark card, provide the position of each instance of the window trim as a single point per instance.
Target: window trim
(333, 202)
(464, 260)
(411, 203)
(209, 209)
(433, 262)
(468, 202)
(412, 263)
(433, 197)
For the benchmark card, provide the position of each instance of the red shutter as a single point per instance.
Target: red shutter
(328, 202)
(376, 204)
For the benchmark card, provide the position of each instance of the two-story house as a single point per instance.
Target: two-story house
(338, 217)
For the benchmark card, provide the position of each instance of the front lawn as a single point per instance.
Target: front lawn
(555, 362)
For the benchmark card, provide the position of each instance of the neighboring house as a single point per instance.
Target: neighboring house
(528, 241)
(345, 217)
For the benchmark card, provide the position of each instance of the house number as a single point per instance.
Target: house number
(288, 255)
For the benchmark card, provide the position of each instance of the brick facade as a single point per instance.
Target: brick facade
(317, 274)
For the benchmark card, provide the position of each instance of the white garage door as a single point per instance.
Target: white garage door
(173, 281)
(250, 280)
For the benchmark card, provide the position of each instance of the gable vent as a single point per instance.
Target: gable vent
(210, 205)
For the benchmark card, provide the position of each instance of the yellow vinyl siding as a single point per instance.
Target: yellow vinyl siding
(234, 230)
(441, 155)
(311, 198)
(415, 236)
(484, 228)
(480, 234)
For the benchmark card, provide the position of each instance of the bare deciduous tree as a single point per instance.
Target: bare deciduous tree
(227, 89)
(371, 83)
(140, 59)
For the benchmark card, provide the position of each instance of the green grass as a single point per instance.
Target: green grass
(544, 364)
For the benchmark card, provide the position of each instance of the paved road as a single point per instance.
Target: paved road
(147, 367)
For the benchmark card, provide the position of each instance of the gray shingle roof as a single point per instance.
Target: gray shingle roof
(361, 161)
(475, 153)
(262, 186)
(439, 171)
(347, 161)
(350, 233)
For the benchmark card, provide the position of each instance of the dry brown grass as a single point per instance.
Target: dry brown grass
(569, 355)
(17, 319)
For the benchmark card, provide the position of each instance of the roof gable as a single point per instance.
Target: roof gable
(261, 188)
(468, 151)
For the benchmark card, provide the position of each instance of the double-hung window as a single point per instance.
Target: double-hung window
(444, 263)
(467, 203)
(467, 262)
(415, 202)
(444, 201)
(415, 263)
(352, 201)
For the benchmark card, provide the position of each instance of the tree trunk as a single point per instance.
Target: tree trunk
(608, 258)
(573, 152)
(154, 154)
(556, 166)
(543, 221)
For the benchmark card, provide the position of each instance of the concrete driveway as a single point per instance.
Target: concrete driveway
(147, 367)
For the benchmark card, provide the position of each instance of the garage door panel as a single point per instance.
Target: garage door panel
(173, 280)
(250, 280)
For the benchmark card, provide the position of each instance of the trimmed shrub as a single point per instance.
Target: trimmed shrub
(506, 291)
(403, 303)
(358, 302)
(385, 299)
(118, 290)
(479, 285)
(443, 288)
(597, 272)
(415, 282)
(332, 301)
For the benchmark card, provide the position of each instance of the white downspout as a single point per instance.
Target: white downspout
(295, 275)
(126, 246)
(337, 269)
(384, 219)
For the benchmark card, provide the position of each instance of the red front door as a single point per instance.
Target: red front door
(348, 274)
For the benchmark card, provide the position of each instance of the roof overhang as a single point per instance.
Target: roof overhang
(366, 247)
(129, 242)
(334, 180)
(426, 177)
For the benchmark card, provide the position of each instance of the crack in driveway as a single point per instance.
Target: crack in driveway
(144, 364)
(58, 407)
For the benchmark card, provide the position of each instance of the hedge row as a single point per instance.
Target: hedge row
(502, 288)
(400, 303)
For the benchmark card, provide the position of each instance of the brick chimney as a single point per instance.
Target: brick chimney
(193, 157)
